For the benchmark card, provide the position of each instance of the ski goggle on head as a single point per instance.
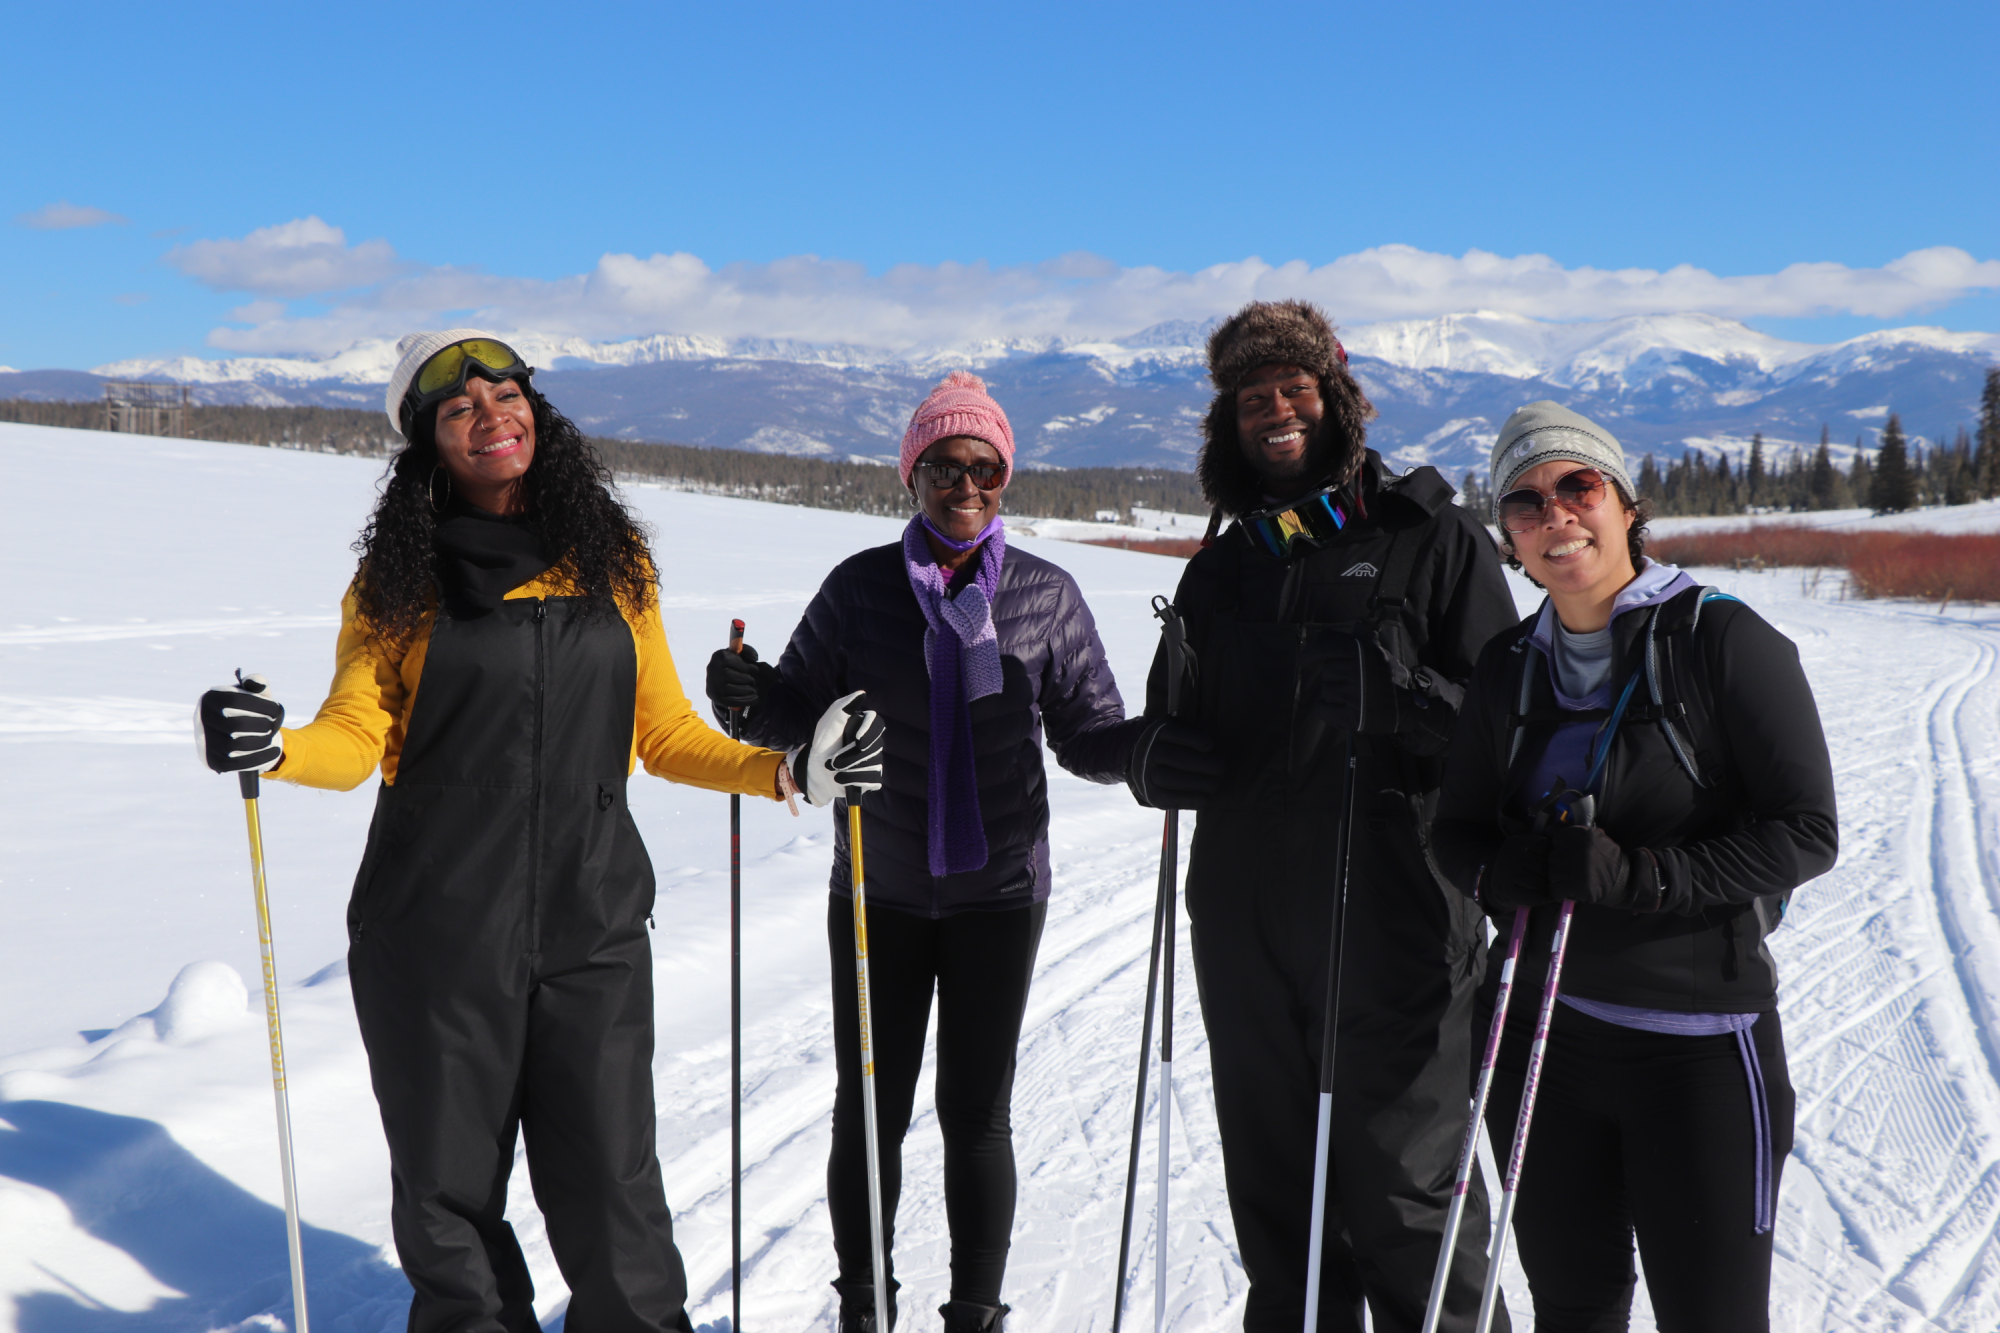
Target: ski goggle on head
(444, 375)
(1314, 519)
(1526, 509)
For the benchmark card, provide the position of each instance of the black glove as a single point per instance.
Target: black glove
(239, 727)
(738, 680)
(1586, 864)
(1174, 766)
(1517, 876)
(845, 754)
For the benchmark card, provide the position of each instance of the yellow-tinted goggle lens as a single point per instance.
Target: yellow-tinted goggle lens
(448, 367)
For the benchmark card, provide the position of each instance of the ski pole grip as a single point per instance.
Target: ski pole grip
(247, 783)
(735, 636)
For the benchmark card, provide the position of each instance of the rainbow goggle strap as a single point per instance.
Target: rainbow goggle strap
(1317, 518)
(444, 375)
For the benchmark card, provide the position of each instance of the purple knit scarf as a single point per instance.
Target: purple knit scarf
(962, 653)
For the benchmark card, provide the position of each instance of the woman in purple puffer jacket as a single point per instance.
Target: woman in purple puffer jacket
(968, 650)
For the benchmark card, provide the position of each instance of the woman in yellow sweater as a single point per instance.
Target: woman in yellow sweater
(502, 661)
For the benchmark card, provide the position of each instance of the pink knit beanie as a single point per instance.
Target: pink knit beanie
(959, 405)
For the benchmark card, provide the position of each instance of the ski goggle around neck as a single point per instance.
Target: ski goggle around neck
(1316, 518)
(1526, 509)
(444, 375)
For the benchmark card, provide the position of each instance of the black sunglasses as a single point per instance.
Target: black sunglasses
(944, 476)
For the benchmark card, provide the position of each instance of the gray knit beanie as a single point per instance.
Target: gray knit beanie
(1547, 430)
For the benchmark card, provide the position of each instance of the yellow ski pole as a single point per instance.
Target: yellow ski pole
(249, 784)
(868, 1064)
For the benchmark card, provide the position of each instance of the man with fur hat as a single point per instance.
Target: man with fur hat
(1342, 610)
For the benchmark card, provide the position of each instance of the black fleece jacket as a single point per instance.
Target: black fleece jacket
(1729, 851)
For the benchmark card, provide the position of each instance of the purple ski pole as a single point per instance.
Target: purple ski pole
(1456, 1212)
(1490, 1298)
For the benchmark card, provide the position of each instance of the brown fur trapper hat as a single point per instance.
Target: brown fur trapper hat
(1264, 333)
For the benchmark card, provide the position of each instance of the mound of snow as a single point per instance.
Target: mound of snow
(206, 998)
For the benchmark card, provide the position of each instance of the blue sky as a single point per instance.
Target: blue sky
(254, 178)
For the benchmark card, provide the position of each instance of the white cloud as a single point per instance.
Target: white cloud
(1078, 296)
(302, 257)
(65, 216)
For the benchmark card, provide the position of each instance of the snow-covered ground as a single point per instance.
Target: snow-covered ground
(138, 1188)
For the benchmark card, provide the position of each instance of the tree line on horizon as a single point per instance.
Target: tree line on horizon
(1900, 476)
(868, 488)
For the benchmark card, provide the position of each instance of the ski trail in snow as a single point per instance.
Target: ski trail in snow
(1891, 986)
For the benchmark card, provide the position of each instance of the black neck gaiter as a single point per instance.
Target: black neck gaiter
(481, 557)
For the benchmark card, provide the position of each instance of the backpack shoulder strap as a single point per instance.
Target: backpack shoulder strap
(1684, 718)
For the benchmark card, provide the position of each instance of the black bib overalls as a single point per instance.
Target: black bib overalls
(502, 975)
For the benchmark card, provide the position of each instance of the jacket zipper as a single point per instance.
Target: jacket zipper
(1287, 595)
(535, 793)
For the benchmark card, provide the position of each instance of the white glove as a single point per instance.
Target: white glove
(237, 727)
(845, 754)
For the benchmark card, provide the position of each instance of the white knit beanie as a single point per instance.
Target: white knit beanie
(1547, 430)
(411, 353)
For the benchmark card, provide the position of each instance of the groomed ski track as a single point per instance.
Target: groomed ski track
(137, 1186)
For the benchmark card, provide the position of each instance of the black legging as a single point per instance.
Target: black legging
(980, 964)
(1647, 1131)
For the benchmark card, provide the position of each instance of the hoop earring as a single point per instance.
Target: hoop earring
(430, 488)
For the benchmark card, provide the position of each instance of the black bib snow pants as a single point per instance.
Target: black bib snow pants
(502, 976)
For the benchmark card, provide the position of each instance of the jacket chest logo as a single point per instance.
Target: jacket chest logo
(1364, 570)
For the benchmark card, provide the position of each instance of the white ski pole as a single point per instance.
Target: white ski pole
(1323, 1146)
(868, 1064)
(1489, 1299)
(1456, 1212)
(248, 783)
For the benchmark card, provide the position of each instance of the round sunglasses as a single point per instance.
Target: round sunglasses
(1526, 509)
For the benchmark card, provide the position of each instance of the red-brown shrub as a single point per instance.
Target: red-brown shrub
(1964, 567)
(1927, 565)
(1773, 543)
(1184, 547)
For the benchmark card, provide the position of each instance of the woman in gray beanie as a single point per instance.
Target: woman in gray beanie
(1684, 718)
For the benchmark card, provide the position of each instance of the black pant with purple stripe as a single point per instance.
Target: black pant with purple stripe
(1655, 1134)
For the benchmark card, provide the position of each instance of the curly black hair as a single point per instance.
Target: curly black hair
(604, 556)
(1635, 537)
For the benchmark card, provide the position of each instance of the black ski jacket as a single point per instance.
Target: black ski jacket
(1278, 645)
(865, 631)
(1730, 847)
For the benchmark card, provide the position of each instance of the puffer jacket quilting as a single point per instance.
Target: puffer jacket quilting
(865, 631)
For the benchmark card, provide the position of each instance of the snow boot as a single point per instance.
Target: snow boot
(857, 1306)
(967, 1317)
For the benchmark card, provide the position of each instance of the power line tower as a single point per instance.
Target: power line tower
(139, 408)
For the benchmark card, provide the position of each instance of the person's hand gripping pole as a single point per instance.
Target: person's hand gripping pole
(240, 727)
(851, 737)
(1582, 812)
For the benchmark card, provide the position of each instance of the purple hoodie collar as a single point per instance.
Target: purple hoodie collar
(1655, 584)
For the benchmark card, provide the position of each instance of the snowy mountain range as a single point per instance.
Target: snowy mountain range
(1664, 383)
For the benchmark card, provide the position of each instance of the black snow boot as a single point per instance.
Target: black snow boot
(857, 1306)
(966, 1317)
